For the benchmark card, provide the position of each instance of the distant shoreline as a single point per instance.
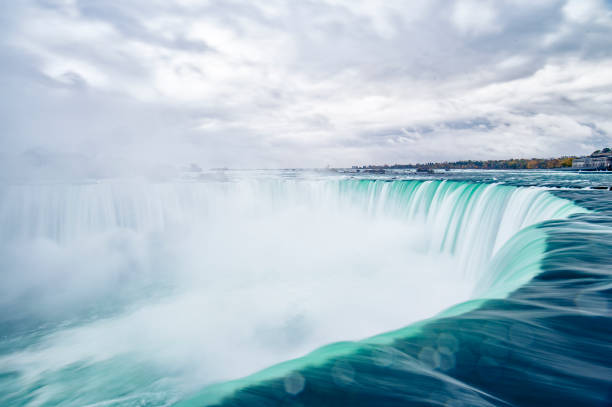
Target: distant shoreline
(511, 164)
(599, 160)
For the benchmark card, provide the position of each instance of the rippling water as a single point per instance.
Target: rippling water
(299, 288)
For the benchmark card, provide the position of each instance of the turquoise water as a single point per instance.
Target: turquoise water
(308, 288)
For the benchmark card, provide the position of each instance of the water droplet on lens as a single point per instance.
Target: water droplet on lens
(294, 383)
(449, 342)
(447, 361)
(430, 357)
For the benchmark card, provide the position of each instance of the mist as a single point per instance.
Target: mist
(183, 284)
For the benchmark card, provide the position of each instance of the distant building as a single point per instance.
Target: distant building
(599, 160)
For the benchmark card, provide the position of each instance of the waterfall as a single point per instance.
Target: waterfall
(176, 285)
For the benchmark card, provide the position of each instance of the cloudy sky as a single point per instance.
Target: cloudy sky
(302, 83)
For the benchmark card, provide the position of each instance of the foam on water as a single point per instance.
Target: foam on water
(140, 292)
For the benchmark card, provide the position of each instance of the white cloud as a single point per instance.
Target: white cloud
(476, 17)
(305, 84)
(582, 11)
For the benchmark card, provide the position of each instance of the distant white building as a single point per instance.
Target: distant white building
(596, 161)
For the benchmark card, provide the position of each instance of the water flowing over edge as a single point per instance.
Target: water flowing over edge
(487, 216)
(517, 248)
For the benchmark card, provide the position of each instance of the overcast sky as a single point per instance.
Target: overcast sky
(302, 83)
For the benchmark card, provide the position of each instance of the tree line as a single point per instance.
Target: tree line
(512, 164)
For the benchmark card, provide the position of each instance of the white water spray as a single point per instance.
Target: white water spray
(183, 284)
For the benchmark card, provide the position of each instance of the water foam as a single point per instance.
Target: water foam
(218, 280)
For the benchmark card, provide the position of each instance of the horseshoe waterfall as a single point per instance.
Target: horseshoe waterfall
(307, 288)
